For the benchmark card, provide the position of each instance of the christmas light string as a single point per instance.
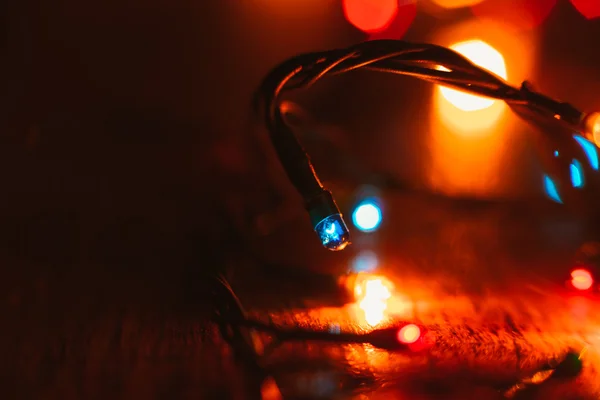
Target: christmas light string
(432, 63)
(239, 332)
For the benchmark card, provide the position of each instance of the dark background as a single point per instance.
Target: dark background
(130, 164)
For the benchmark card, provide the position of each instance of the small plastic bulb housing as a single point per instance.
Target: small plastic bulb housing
(328, 222)
(333, 232)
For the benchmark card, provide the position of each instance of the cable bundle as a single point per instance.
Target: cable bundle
(432, 63)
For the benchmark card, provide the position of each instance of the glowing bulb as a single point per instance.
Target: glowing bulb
(485, 56)
(588, 8)
(551, 189)
(370, 15)
(592, 127)
(372, 295)
(581, 279)
(576, 174)
(367, 217)
(333, 232)
(409, 334)
(590, 151)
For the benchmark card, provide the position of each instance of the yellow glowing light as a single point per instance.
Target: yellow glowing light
(409, 334)
(581, 279)
(373, 294)
(592, 127)
(485, 56)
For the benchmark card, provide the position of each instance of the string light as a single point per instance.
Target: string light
(435, 64)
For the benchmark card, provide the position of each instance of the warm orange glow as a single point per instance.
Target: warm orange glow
(592, 128)
(376, 299)
(588, 8)
(370, 15)
(374, 294)
(451, 4)
(485, 56)
(409, 334)
(473, 152)
(269, 390)
(581, 279)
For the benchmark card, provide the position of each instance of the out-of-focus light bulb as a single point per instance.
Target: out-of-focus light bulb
(372, 294)
(576, 174)
(269, 390)
(581, 279)
(409, 334)
(590, 150)
(592, 127)
(367, 216)
(485, 56)
(374, 302)
(551, 189)
(370, 15)
(365, 261)
(588, 8)
(333, 232)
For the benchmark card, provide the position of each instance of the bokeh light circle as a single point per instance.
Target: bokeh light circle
(485, 56)
(367, 216)
(365, 261)
(590, 9)
(370, 15)
(581, 279)
(409, 334)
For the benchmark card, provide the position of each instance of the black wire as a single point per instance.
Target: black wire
(431, 63)
(418, 60)
(394, 59)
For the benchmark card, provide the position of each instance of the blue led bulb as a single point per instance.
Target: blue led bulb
(367, 216)
(577, 178)
(590, 151)
(333, 232)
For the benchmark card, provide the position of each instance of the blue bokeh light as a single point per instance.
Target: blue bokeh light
(367, 216)
(577, 179)
(365, 261)
(590, 150)
(551, 190)
(333, 232)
